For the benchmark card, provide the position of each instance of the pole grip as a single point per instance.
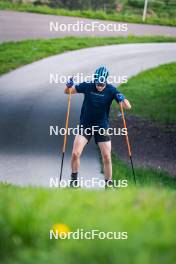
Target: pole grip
(124, 124)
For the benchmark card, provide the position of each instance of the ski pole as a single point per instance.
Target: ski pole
(127, 141)
(65, 136)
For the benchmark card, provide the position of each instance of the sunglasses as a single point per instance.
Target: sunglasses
(101, 84)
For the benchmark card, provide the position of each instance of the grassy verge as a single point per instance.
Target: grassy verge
(144, 177)
(148, 215)
(129, 14)
(152, 94)
(16, 54)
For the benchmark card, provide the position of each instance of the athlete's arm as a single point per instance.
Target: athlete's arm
(126, 104)
(78, 88)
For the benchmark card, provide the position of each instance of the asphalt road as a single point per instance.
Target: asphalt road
(30, 104)
(18, 26)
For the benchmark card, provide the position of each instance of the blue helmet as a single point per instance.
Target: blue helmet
(101, 75)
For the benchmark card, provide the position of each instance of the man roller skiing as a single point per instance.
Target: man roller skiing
(98, 97)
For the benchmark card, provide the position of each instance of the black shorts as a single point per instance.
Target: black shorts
(97, 136)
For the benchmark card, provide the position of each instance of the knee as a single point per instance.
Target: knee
(76, 155)
(107, 158)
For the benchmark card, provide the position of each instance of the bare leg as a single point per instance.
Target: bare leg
(78, 146)
(105, 148)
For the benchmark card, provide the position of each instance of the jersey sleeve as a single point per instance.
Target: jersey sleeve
(80, 88)
(115, 93)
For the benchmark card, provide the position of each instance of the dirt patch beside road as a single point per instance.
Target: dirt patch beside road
(153, 146)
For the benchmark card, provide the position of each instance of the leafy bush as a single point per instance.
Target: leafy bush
(136, 3)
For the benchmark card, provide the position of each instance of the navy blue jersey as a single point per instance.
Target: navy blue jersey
(96, 105)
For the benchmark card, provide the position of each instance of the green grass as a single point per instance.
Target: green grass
(144, 177)
(131, 14)
(16, 54)
(152, 94)
(147, 214)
